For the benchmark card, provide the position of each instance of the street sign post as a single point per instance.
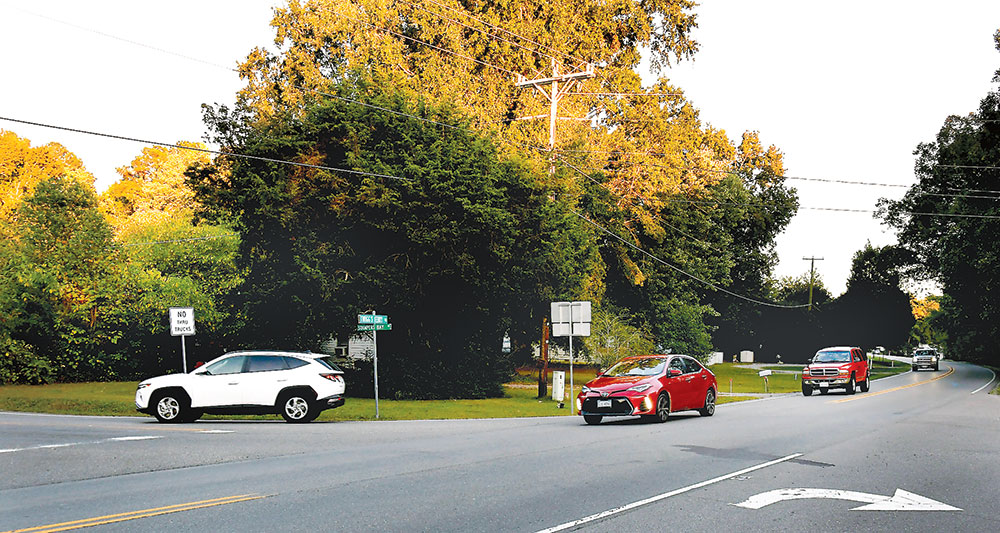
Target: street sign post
(374, 323)
(182, 325)
(374, 327)
(373, 319)
(571, 319)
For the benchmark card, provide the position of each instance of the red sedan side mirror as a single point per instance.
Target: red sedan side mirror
(674, 372)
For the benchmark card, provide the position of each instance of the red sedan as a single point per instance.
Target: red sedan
(651, 386)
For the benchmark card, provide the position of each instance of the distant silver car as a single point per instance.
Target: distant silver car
(298, 386)
(925, 358)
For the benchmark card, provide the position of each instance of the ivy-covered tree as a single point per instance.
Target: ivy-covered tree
(424, 222)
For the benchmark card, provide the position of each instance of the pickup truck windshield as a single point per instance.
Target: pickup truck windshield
(832, 357)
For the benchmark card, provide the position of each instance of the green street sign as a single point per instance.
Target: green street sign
(373, 319)
(373, 327)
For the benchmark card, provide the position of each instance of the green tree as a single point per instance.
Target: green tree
(60, 270)
(613, 337)
(874, 311)
(939, 221)
(460, 250)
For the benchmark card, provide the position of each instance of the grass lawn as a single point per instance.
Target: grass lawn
(117, 399)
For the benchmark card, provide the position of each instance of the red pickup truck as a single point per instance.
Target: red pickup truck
(839, 367)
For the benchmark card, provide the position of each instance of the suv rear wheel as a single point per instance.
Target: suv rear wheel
(850, 385)
(807, 390)
(298, 406)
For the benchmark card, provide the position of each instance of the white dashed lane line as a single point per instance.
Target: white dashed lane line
(68, 444)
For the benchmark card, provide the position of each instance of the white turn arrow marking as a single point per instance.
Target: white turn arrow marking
(900, 501)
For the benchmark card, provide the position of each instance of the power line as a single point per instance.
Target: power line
(519, 145)
(680, 270)
(206, 150)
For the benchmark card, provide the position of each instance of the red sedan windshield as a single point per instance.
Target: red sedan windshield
(637, 367)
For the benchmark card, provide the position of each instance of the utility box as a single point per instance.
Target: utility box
(746, 356)
(558, 385)
(715, 358)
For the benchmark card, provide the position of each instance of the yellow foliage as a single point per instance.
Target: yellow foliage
(924, 307)
(152, 187)
(23, 166)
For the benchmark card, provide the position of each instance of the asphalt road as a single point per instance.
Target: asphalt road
(925, 433)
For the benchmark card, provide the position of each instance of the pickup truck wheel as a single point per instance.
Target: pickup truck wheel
(593, 420)
(807, 390)
(864, 384)
(823, 390)
(850, 385)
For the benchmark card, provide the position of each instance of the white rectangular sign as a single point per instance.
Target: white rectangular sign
(181, 321)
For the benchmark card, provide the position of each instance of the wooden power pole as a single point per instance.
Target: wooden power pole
(812, 276)
(543, 372)
(554, 95)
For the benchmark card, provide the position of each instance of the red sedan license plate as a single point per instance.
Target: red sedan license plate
(603, 403)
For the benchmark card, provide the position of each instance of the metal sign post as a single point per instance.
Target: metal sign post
(374, 323)
(182, 325)
(571, 319)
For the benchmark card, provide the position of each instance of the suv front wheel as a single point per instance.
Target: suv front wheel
(170, 407)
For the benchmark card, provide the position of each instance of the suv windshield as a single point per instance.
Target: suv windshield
(832, 357)
(637, 367)
(925, 352)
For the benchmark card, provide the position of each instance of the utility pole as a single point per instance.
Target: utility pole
(554, 94)
(543, 372)
(812, 276)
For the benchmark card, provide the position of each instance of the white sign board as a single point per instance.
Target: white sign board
(558, 385)
(571, 318)
(181, 321)
(764, 373)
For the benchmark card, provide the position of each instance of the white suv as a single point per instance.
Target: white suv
(298, 386)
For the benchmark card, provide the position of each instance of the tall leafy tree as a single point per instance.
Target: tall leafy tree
(426, 223)
(62, 270)
(22, 166)
(874, 311)
(945, 222)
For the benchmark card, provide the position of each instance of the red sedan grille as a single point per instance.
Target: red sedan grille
(619, 406)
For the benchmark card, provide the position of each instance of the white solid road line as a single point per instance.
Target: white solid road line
(665, 495)
(987, 383)
(67, 444)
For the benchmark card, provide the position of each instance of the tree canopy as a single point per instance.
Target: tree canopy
(424, 222)
(950, 224)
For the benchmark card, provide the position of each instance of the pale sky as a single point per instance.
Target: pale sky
(845, 89)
